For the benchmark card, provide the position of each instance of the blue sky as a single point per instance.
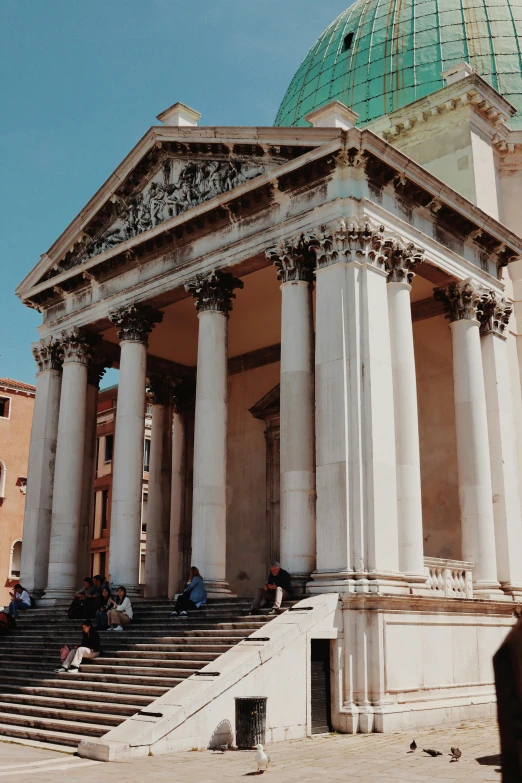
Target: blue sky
(81, 82)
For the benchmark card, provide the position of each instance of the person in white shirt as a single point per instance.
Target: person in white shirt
(19, 600)
(121, 613)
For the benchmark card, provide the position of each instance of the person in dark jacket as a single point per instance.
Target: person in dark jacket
(194, 595)
(102, 606)
(507, 665)
(277, 589)
(83, 601)
(89, 648)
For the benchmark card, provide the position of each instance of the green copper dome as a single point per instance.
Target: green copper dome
(380, 55)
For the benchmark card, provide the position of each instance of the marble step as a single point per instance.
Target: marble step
(91, 689)
(131, 649)
(40, 735)
(95, 679)
(121, 658)
(53, 713)
(63, 702)
(52, 724)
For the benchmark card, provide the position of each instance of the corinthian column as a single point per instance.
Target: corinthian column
(462, 302)
(213, 293)
(77, 347)
(295, 263)
(400, 263)
(183, 402)
(40, 473)
(134, 322)
(95, 373)
(502, 447)
(158, 504)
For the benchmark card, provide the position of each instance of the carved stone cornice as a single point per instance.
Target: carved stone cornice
(135, 322)
(184, 397)
(214, 291)
(96, 369)
(78, 345)
(496, 312)
(294, 258)
(462, 300)
(161, 387)
(48, 354)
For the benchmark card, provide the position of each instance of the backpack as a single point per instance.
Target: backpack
(32, 601)
(4, 623)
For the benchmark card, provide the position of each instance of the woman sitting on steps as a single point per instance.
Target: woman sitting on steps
(193, 596)
(89, 648)
(121, 613)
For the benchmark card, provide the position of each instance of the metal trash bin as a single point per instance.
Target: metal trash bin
(250, 722)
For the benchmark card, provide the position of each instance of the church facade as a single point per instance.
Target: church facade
(326, 317)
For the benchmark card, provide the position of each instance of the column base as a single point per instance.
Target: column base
(57, 596)
(361, 582)
(218, 588)
(489, 591)
(417, 583)
(300, 583)
(133, 591)
(512, 589)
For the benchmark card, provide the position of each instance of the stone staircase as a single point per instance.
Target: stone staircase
(151, 656)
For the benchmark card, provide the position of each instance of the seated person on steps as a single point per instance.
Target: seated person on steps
(277, 589)
(19, 600)
(121, 612)
(194, 595)
(89, 648)
(102, 606)
(83, 602)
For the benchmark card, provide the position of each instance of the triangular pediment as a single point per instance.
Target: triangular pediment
(168, 173)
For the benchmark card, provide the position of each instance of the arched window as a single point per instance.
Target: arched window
(15, 559)
(3, 473)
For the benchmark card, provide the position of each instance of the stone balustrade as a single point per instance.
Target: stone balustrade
(450, 578)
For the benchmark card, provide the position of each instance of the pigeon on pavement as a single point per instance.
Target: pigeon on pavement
(221, 748)
(262, 760)
(413, 746)
(431, 752)
(455, 754)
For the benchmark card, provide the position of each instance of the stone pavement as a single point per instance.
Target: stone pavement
(374, 758)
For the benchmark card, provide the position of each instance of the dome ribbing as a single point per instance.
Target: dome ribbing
(380, 55)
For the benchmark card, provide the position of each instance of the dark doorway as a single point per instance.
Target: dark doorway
(320, 686)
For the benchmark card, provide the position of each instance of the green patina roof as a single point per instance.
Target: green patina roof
(398, 51)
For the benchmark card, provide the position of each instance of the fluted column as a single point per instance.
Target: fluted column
(462, 302)
(183, 402)
(40, 472)
(295, 264)
(134, 322)
(213, 293)
(502, 446)
(68, 479)
(160, 472)
(95, 373)
(400, 263)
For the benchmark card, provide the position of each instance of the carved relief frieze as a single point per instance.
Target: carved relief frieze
(177, 187)
(135, 322)
(214, 291)
(462, 300)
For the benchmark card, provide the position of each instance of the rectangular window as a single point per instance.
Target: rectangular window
(146, 456)
(109, 444)
(104, 508)
(5, 407)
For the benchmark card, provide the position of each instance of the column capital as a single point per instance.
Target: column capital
(78, 345)
(96, 369)
(294, 258)
(401, 260)
(496, 312)
(135, 322)
(48, 354)
(161, 387)
(462, 300)
(214, 291)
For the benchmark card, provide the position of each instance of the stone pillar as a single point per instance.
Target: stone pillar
(95, 373)
(502, 446)
(183, 401)
(400, 263)
(40, 472)
(213, 293)
(160, 473)
(462, 301)
(134, 322)
(69, 471)
(295, 264)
